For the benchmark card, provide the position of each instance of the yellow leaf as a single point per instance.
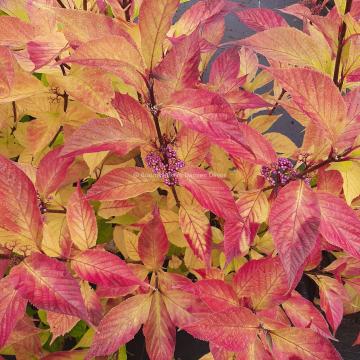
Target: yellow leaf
(350, 172)
(281, 143)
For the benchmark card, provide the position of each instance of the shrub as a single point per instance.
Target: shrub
(141, 190)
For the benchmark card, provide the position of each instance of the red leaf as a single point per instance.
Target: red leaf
(12, 309)
(103, 134)
(19, 211)
(81, 220)
(52, 172)
(210, 191)
(224, 72)
(260, 19)
(179, 69)
(294, 223)
(216, 294)
(329, 181)
(153, 243)
(263, 282)
(132, 113)
(332, 296)
(159, 331)
(120, 325)
(47, 284)
(124, 183)
(295, 343)
(103, 268)
(231, 329)
(339, 225)
(304, 314)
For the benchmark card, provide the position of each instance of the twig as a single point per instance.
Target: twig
(342, 34)
(61, 4)
(15, 117)
(85, 5)
(283, 92)
(56, 211)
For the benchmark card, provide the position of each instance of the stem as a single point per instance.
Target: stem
(85, 5)
(15, 117)
(56, 211)
(55, 136)
(126, 7)
(61, 4)
(283, 92)
(155, 115)
(342, 34)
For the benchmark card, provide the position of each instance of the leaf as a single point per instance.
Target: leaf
(253, 208)
(192, 147)
(202, 111)
(155, 19)
(124, 183)
(304, 314)
(19, 211)
(293, 343)
(52, 172)
(159, 331)
(260, 19)
(216, 294)
(231, 329)
(101, 135)
(81, 220)
(179, 68)
(290, 46)
(47, 284)
(197, 231)
(332, 296)
(15, 32)
(350, 173)
(210, 191)
(153, 243)
(263, 282)
(317, 96)
(130, 111)
(339, 223)
(329, 181)
(111, 53)
(224, 72)
(294, 222)
(12, 309)
(90, 86)
(7, 71)
(92, 302)
(124, 320)
(60, 324)
(66, 355)
(103, 268)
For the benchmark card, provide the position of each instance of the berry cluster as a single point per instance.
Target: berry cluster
(165, 163)
(279, 173)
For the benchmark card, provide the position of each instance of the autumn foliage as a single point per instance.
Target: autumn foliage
(142, 187)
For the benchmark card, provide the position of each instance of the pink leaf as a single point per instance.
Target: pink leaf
(210, 191)
(52, 172)
(120, 325)
(231, 329)
(124, 183)
(263, 282)
(294, 223)
(159, 331)
(153, 242)
(47, 284)
(12, 309)
(305, 344)
(81, 220)
(216, 294)
(92, 303)
(103, 134)
(260, 19)
(103, 268)
(131, 112)
(19, 211)
(339, 225)
(304, 314)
